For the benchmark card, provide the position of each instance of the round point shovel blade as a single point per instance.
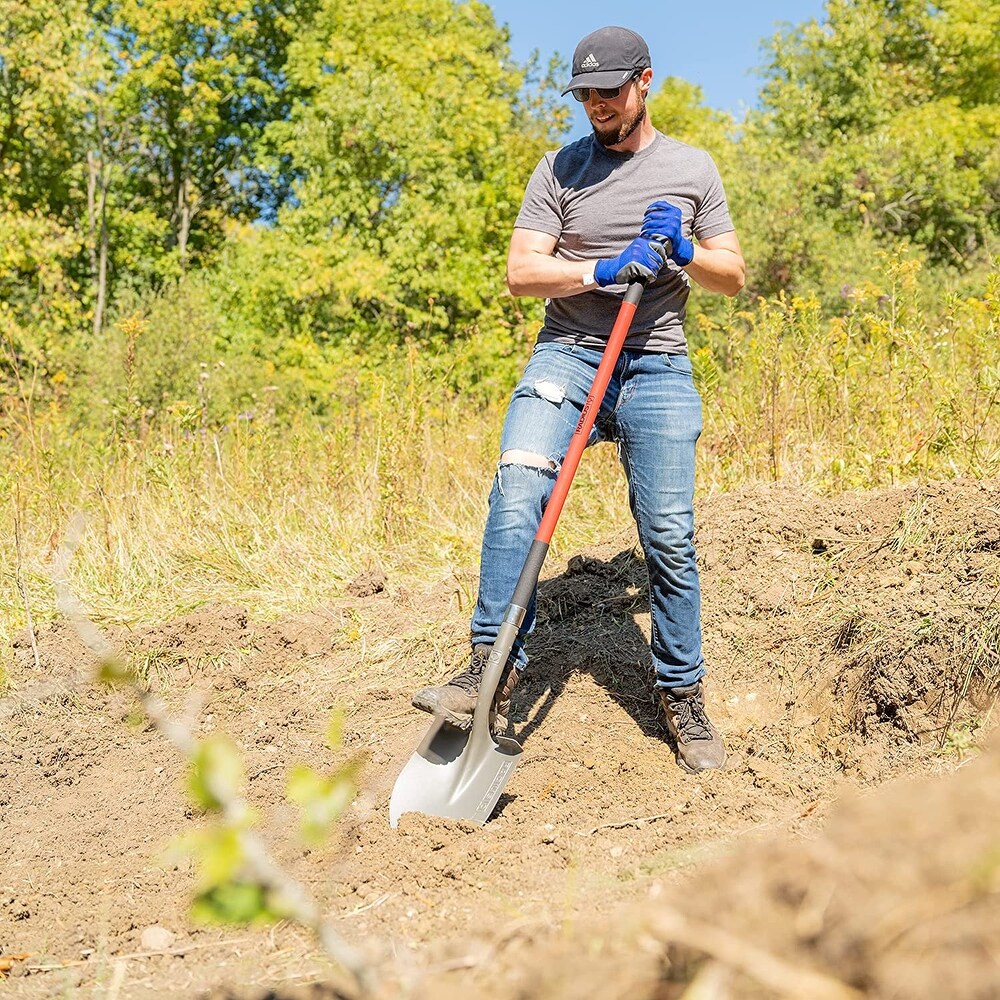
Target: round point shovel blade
(456, 773)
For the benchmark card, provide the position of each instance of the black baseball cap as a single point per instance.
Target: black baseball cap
(608, 57)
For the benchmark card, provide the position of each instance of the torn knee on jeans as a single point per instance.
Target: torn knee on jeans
(533, 460)
(515, 458)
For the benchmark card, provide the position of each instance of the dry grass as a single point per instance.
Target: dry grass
(279, 514)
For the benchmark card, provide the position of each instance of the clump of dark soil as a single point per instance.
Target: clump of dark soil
(850, 640)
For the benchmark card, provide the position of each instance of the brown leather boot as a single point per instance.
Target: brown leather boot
(699, 745)
(456, 700)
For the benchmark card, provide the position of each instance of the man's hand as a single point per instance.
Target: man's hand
(663, 222)
(641, 260)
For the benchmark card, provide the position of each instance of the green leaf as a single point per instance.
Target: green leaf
(216, 851)
(335, 731)
(233, 902)
(216, 773)
(220, 857)
(321, 798)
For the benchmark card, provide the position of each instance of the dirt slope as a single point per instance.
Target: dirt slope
(850, 640)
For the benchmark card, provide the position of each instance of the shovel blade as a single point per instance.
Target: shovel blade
(455, 773)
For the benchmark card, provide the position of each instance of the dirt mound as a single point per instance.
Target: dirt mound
(898, 897)
(849, 639)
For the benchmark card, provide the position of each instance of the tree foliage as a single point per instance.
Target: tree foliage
(283, 190)
(878, 126)
(195, 84)
(894, 107)
(40, 240)
(408, 142)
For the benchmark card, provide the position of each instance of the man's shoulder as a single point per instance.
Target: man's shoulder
(572, 156)
(669, 146)
(682, 159)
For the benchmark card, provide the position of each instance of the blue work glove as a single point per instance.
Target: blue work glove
(663, 222)
(641, 260)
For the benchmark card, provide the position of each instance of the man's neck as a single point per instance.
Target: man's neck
(639, 139)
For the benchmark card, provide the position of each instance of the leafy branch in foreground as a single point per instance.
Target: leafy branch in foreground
(239, 881)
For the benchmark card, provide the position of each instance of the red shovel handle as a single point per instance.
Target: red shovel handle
(589, 413)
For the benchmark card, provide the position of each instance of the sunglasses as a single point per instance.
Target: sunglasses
(582, 94)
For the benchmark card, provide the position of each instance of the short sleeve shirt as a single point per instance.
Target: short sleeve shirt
(592, 200)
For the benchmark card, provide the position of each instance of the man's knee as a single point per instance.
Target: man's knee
(525, 475)
(516, 456)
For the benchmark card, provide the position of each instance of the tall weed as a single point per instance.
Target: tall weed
(888, 391)
(197, 490)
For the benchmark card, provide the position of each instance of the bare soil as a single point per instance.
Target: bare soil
(853, 651)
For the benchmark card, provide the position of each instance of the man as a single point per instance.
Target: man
(620, 205)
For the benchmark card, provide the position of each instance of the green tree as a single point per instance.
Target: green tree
(196, 82)
(42, 269)
(409, 142)
(895, 107)
(128, 134)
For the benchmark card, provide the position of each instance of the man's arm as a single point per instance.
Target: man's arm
(718, 264)
(532, 270)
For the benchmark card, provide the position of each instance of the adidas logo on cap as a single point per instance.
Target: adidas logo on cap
(589, 63)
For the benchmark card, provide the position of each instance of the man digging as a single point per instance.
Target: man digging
(620, 205)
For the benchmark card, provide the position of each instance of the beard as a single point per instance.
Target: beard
(615, 135)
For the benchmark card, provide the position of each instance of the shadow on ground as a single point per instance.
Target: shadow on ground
(587, 624)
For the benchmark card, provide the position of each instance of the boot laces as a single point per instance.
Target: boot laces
(692, 721)
(472, 678)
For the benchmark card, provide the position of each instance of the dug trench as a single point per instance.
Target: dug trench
(852, 643)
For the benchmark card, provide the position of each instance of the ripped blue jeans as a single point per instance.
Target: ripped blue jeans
(653, 412)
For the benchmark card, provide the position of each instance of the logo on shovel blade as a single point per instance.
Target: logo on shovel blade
(493, 792)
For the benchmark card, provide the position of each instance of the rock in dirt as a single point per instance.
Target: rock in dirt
(156, 938)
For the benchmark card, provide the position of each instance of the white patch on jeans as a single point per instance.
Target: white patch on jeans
(550, 391)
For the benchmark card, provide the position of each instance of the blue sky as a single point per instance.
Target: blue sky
(713, 43)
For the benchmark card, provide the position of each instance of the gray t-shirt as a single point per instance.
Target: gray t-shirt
(593, 201)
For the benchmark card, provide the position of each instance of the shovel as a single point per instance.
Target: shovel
(461, 773)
